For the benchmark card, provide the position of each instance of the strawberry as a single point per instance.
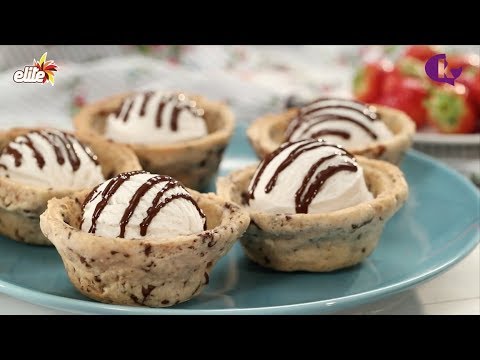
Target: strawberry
(406, 94)
(421, 52)
(450, 111)
(391, 81)
(367, 81)
(472, 83)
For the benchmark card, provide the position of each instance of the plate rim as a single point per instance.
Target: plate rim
(328, 305)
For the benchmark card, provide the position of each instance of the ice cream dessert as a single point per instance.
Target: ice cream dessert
(373, 131)
(345, 122)
(138, 204)
(313, 206)
(50, 158)
(156, 118)
(307, 176)
(39, 164)
(142, 239)
(172, 133)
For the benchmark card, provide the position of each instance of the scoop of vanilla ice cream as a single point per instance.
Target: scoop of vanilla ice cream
(138, 204)
(307, 170)
(50, 158)
(341, 121)
(156, 118)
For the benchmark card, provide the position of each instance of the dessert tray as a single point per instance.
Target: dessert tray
(437, 227)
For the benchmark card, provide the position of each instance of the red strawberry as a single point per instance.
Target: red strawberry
(406, 94)
(421, 52)
(450, 111)
(391, 81)
(367, 81)
(472, 83)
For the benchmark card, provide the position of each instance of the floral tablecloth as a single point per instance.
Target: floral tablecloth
(253, 80)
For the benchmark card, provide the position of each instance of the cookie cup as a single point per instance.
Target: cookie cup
(21, 205)
(320, 242)
(150, 272)
(192, 162)
(268, 132)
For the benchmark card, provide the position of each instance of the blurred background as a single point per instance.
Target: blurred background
(255, 80)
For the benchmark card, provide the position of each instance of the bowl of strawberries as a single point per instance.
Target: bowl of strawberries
(445, 113)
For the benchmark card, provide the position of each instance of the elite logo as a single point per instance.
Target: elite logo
(437, 69)
(40, 72)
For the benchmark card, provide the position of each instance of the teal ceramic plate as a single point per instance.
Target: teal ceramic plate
(436, 228)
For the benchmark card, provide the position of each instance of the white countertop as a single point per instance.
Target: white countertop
(456, 292)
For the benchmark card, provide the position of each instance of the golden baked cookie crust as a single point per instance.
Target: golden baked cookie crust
(193, 162)
(21, 205)
(150, 272)
(267, 133)
(320, 242)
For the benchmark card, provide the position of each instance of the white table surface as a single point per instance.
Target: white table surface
(454, 292)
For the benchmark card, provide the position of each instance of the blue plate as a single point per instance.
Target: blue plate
(437, 227)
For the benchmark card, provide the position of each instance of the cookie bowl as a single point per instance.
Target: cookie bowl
(149, 272)
(193, 162)
(268, 132)
(325, 241)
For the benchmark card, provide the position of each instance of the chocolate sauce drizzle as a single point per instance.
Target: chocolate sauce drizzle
(17, 155)
(304, 199)
(159, 115)
(340, 133)
(107, 193)
(59, 141)
(174, 121)
(38, 156)
(58, 151)
(179, 106)
(303, 196)
(261, 169)
(321, 113)
(141, 191)
(129, 108)
(147, 97)
(349, 106)
(161, 107)
(325, 118)
(291, 158)
(90, 197)
(152, 211)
